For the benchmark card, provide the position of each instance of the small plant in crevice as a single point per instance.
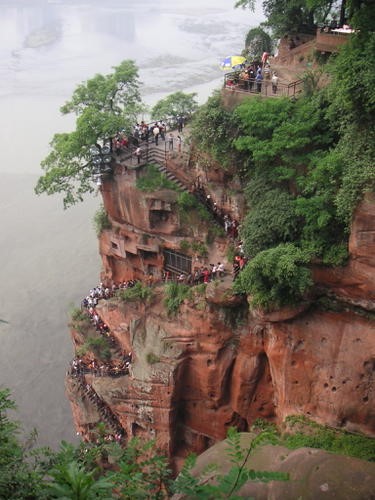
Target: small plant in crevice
(138, 292)
(231, 252)
(78, 314)
(213, 233)
(98, 345)
(304, 432)
(154, 180)
(192, 211)
(152, 358)
(101, 221)
(185, 246)
(80, 321)
(199, 248)
(175, 294)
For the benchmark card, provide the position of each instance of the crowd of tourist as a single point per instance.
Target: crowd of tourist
(252, 76)
(89, 303)
(104, 410)
(80, 366)
(149, 132)
(228, 223)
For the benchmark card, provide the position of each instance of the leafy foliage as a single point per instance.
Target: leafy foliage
(185, 245)
(174, 105)
(175, 294)
(71, 480)
(192, 212)
(153, 180)
(210, 130)
(257, 41)
(307, 164)
(275, 277)
(98, 345)
(21, 470)
(272, 221)
(295, 16)
(80, 321)
(106, 470)
(352, 93)
(356, 151)
(78, 314)
(152, 358)
(200, 248)
(137, 292)
(104, 105)
(303, 432)
(101, 221)
(226, 485)
(245, 4)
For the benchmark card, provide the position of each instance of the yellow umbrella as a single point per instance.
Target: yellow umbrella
(232, 62)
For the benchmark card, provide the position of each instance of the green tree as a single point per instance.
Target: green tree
(271, 221)
(71, 481)
(104, 105)
(98, 345)
(246, 4)
(21, 471)
(351, 93)
(101, 220)
(142, 472)
(174, 105)
(257, 41)
(293, 16)
(211, 130)
(227, 485)
(276, 277)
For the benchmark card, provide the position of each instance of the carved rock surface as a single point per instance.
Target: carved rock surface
(215, 365)
(313, 474)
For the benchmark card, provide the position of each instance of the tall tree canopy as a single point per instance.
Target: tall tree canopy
(104, 105)
(257, 41)
(174, 105)
(292, 16)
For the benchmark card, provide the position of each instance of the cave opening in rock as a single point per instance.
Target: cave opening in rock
(262, 396)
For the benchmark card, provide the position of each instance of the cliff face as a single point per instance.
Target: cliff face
(217, 364)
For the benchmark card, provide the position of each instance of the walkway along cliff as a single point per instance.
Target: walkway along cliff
(216, 363)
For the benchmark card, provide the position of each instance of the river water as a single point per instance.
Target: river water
(48, 256)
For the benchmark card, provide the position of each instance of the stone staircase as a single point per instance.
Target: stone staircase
(104, 410)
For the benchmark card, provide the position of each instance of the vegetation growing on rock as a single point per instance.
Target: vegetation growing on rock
(153, 180)
(304, 167)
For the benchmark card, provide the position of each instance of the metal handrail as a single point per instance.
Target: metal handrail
(233, 82)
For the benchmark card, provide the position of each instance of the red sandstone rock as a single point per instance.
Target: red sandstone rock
(207, 369)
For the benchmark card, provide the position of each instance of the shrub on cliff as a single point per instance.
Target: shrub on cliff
(276, 277)
(175, 294)
(98, 345)
(101, 221)
(137, 292)
(304, 432)
(174, 105)
(21, 471)
(257, 41)
(211, 130)
(104, 105)
(153, 180)
(271, 221)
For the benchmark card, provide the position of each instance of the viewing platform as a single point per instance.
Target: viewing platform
(234, 84)
(330, 40)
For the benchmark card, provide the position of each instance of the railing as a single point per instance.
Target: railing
(265, 88)
(103, 408)
(150, 152)
(332, 39)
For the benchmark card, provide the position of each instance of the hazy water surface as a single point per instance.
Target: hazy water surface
(49, 257)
